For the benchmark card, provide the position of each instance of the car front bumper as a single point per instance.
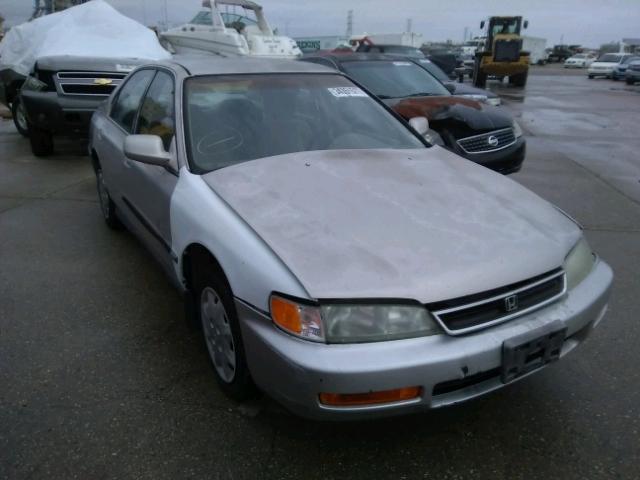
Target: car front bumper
(632, 75)
(295, 371)
(507, 160)
(600, 72)
(58, 114)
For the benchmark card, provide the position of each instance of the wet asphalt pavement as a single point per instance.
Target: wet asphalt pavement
(101, 378)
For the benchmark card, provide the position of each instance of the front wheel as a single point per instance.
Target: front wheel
(19, 117)
(222, 337)
(41, 141)
(590, 77)
(629, 81)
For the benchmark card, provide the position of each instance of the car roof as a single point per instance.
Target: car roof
(359, 57)
(215, 65)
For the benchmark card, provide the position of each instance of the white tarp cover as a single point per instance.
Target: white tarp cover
(94, 29)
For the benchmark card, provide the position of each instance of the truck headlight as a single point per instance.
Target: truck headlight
(578, 263)
(351, 322)
(517, 130)
(495, 101)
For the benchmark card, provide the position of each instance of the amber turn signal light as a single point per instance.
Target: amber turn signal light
(371, 398)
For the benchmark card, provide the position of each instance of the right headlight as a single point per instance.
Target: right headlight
(578, 263)
(517, 129)
(352, 322)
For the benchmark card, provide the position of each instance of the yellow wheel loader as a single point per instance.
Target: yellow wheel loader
(502, 55)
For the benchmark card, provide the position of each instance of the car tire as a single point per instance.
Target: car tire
(629, 81)
(107, 207)
(590, 77)
(519, 80)
(41, 141)
(19, 117)
(221, 334)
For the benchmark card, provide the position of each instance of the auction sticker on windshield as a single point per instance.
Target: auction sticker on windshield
(402, 64)
(346, 92)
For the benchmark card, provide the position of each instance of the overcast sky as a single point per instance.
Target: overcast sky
(586, 22)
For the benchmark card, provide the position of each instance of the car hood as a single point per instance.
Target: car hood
(460, 116)
(416, 224)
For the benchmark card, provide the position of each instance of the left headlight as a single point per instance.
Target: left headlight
(495, 101)
(579, 263)
(517, 130)
(352, 322)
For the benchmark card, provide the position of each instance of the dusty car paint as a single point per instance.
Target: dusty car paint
(371, 222)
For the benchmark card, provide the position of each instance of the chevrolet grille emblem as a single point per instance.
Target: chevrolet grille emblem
(102, 81)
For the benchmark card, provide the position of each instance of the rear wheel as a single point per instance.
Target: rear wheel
(19, 117)
(107, 206)
(221, 333)
(629, 81)
(590, 77)
(41, 141)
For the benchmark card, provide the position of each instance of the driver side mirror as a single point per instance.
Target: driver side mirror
(482, 25)
(420, 125)
(451, 87)
(526, 24)
(146, 149)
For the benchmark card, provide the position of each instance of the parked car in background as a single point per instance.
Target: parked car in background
(620, 69)
(62, 94)
(404, 50)
(579, 60)
(457, 88)
(632, 75)
(328, 255)
(605, 64)
(482, 133)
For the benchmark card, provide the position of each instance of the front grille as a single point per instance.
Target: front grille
(635, 68)
(507, 50)
(488, 142)
(89, 83)
(473, 312)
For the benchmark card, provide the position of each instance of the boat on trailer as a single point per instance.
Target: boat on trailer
(230, 28)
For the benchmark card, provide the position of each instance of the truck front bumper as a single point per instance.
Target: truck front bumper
(507, 160)
(448, 369)
(58, 114)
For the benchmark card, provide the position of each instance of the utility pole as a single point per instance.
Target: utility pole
(349, 24)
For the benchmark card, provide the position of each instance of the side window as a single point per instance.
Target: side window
(126, 105)
(156, 114)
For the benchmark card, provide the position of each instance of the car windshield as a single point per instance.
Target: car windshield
(610, 57)
(580, 55)
(395, 79)
(629, 59)
(433, 69)
(232, 119)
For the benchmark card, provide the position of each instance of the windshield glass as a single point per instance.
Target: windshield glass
(502, 26)
(610, 57)
(395, 79)
(580, 55)
(233, 20)
(231, 119)
(433, 69)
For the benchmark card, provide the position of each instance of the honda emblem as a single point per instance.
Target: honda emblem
(511, 303)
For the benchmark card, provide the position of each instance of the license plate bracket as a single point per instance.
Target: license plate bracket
(531, 351)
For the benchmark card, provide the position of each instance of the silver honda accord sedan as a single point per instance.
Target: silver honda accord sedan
(332, 257)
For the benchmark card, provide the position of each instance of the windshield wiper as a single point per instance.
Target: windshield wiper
(385, 97)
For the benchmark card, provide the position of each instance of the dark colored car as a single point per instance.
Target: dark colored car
(404, 50)
(457, 88)
(479, 132)
(632, 74)
(62, 93)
